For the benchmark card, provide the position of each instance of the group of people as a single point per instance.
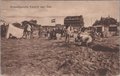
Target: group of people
(54, 33)
(50, 33)
(79, 35)
(57, 33)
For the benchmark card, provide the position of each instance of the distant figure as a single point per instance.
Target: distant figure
(58, 36)
(68, 33)
(53, 34)
(62, 32)
(58, 33)
(3, 30)
(29, 31)
(40, 31)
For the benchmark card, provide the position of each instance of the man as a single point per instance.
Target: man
(40, 31)
(69, 32)
(3, 30)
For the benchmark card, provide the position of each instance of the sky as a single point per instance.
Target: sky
(17, 11)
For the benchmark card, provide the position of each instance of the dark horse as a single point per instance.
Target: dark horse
(27, 33)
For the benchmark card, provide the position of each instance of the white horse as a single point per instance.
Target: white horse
(84, 38)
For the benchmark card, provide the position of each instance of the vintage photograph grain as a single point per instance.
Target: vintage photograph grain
(60, 38)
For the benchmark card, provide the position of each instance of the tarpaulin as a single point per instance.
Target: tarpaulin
(17, 32)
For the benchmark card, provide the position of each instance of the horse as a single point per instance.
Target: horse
(84, 38)
(27, 30)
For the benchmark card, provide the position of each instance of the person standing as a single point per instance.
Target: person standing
(29, 31)
(3, 30)
(40, 31)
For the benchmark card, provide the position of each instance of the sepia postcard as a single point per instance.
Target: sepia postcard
(59, 37)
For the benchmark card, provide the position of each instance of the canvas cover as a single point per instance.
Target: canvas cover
(15, 31)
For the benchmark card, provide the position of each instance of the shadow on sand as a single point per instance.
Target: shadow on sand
(103, 48)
